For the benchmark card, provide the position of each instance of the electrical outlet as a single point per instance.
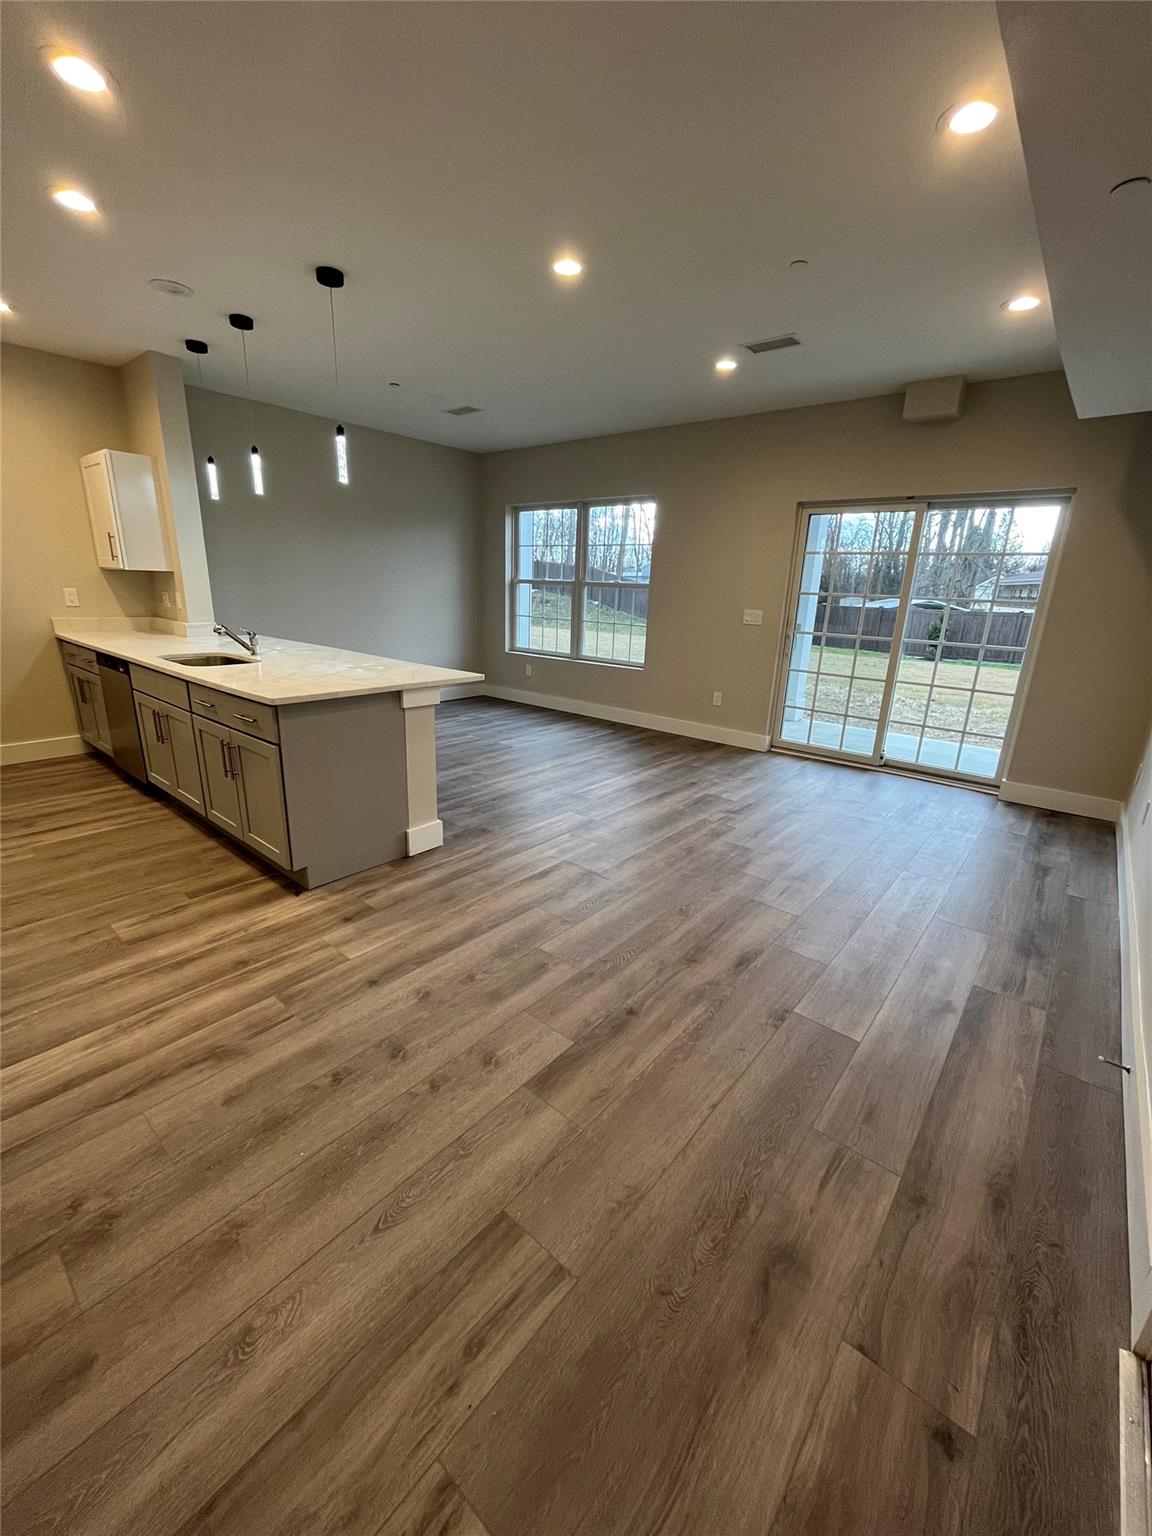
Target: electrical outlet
(166, 600)
(717, 697)
(527, 669)
(179, 601)
(753, 616)
(71, 597)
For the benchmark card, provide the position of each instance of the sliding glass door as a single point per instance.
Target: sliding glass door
(850, 586)
(910, 631)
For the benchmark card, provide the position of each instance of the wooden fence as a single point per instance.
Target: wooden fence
(1008, 631)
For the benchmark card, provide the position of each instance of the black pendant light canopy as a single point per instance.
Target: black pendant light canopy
(199, 350)
(244, 324)
(333, 278)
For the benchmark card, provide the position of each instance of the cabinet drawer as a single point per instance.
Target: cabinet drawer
(78, 655)
(237, 714)
(171, 690)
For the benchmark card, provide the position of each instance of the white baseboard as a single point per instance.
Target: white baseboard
(45, 747)
(752, 741)
(1061, 800)
(429, 834)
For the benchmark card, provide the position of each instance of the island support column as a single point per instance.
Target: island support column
(425, 829)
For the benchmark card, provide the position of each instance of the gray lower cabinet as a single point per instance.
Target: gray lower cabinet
(170, 750)
(261, 796)
(88, 697)
(244, 788)
(221, 791)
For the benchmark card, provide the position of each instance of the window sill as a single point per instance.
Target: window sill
(581, 661)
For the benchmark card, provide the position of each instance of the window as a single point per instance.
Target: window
(580, 576)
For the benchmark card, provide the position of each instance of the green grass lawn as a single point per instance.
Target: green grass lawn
(609, 635)
(839, 689)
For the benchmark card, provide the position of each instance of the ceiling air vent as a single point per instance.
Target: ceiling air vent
(773, 344)
(463, 410)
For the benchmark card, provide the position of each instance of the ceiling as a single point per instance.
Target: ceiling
(444, 153)
(1082, 77)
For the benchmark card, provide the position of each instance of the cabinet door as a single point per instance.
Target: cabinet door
(186, 784)
(99, 490)
(262, 797)
(217, 775)
(143, 546)
(156, 743)
(82, 685)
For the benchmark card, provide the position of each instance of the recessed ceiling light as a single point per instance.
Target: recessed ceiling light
(170, 286)
(1131, 186)
(78, 73)
(70, 197)
(1021, 303)
(972, 117)
(567, 266)
(726, 365)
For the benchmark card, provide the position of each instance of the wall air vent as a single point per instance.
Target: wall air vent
(463, 410)
(773, 344)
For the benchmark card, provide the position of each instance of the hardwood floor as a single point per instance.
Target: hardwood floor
(701, 1142)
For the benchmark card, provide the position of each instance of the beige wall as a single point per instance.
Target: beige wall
(387, 564)
(729, 491)
(54, 409)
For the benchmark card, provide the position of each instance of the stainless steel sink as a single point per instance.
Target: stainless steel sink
(212, 659)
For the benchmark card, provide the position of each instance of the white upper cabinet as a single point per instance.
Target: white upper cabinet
(122, 505)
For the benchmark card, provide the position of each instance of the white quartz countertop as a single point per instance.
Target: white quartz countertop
(286, 672)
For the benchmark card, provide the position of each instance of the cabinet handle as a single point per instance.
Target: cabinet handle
(224, 758)
(235, 761)
(204, 703)
(82, 684)
(156, 731)
(112, 549)
(248, 719)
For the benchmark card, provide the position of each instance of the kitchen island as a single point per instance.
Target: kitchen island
(320, 760)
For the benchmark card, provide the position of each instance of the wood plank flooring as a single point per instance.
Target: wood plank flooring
(700, 1142)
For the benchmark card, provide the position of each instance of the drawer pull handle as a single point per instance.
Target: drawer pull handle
(204, 703)
(249, 719)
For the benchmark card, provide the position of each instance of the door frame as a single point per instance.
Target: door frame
(921, 506)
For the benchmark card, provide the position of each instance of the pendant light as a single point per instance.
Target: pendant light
(332, 278)
(199, 350)
(244, 324)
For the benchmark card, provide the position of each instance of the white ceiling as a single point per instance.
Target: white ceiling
(1082, 77)
(442, 153)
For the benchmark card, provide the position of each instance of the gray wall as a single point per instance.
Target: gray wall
(387, 564)
(728, 493)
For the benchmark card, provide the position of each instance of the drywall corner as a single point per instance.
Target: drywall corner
(152, 386)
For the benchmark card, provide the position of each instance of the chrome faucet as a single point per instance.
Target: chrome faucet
(251, 644)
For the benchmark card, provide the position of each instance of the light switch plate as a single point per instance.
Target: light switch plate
(753, 616)
(717, 697)
(71, 597)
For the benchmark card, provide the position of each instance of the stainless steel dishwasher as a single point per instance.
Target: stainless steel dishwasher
(116, 683)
